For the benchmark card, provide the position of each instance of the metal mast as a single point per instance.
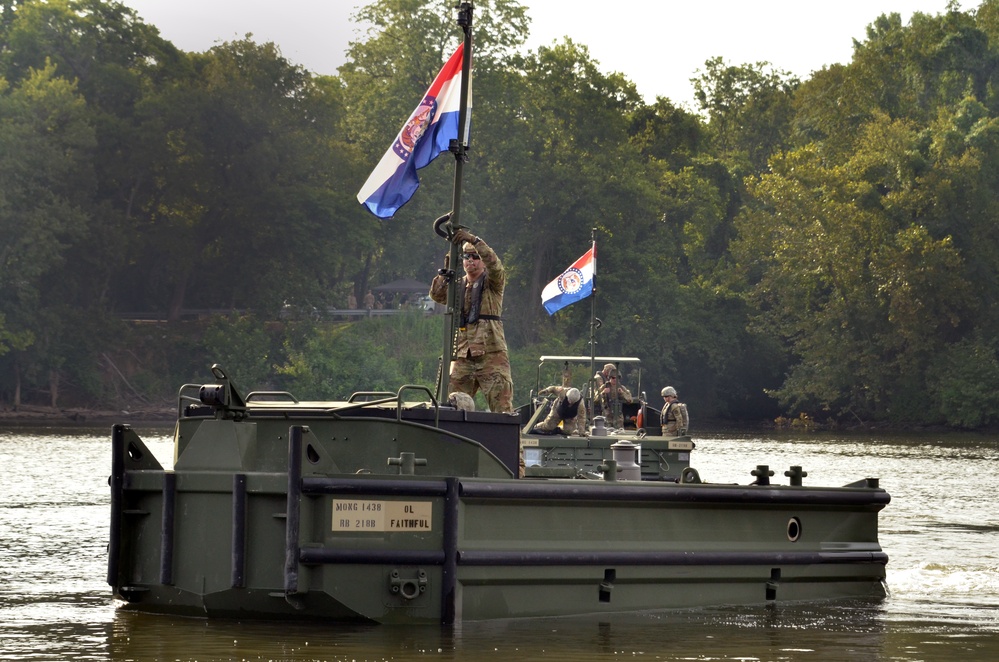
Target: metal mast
(446, 225)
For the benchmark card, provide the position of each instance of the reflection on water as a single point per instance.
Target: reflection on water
(940, 531)
(146, 637)
(773, 633)
(844, 631)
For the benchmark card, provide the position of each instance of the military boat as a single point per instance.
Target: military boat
(395, 508)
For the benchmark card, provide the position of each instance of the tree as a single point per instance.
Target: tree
(111, 59)
(865, 296)
(668, 133)
(749, 109)
(247, 192)
(46, 182)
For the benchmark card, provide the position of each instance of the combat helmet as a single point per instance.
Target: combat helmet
(669, 390)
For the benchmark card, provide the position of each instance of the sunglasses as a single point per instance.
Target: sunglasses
(469, 256)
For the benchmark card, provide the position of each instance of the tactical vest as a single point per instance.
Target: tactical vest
(567, 410)
(473, 301)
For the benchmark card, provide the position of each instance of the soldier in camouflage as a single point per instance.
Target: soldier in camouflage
(567, 410)
(674, 417)
(612, 394)
(481, 360)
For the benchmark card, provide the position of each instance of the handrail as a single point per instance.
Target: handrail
(336, 411)
(366, 393)
(393, 397)
(251, 394)
(418, 387)
(181, 398)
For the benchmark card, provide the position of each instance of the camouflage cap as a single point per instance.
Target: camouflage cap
(469, 247)
(669, 390)
(572, 395)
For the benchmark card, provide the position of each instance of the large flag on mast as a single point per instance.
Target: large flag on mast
(427, 133)
(572, 285)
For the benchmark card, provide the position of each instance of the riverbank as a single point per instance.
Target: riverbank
(38, 415)
(34, 414)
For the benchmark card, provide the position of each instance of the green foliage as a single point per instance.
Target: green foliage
(667, 133)
(862, 279)
(863, 304)
(47, 180)
(240, 342)
(832, 242)
(377, 354)
(965, 378)
(247, 189)
(749, 108)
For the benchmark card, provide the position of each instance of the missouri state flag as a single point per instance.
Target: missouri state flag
(573, 284)
(427, 133)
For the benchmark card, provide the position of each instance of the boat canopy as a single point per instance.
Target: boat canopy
(596, 359)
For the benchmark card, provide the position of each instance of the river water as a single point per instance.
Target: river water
(941, 532)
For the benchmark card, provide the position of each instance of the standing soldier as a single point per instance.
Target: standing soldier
(599, 379)
(612, 394)
(674, 417)
(481, 361)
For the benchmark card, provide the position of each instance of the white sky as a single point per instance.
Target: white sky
(657, 44)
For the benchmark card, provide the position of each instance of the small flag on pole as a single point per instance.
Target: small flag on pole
(573, 284)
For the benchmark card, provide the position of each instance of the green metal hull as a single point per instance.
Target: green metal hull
(293, 511)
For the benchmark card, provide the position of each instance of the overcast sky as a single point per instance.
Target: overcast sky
(657, 44)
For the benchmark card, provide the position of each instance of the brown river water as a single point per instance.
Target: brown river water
(941, 532)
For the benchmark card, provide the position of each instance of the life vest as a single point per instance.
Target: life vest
(674, 412)
(664, 418)
(567, 410)
(471, 316)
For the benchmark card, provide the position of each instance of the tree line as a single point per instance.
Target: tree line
(827, 247)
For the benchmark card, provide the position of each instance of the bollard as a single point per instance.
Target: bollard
(762, 473)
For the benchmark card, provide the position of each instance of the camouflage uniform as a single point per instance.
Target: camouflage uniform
(601, 377)
(611, 396)
(481, 360)
(575, 426)
(674, 418)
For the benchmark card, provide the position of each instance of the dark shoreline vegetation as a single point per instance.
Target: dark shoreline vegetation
(823, 248)
(29, 417)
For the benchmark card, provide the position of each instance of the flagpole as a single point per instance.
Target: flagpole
(594, 323)
(458, 147)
